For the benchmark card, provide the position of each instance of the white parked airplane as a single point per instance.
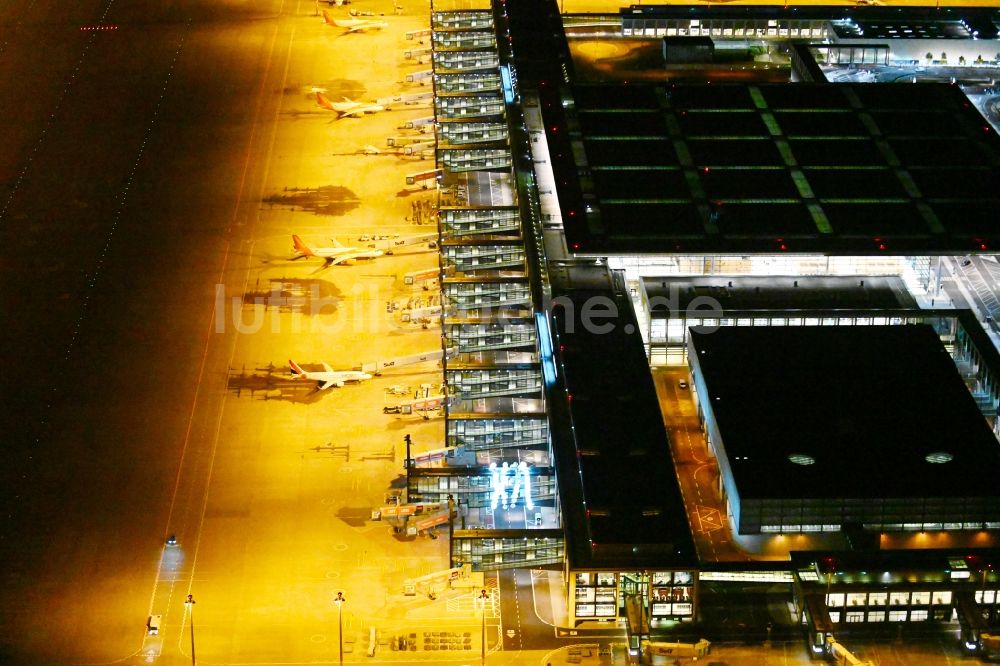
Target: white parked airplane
(329, 377)
(353, 24)
(332, 255)
(348, 107)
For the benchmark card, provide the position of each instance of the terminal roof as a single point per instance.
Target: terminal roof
(847, 168)
(620, 495)
(846, 398)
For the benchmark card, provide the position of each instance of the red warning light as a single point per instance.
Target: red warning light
(575, 246)
(705, 170)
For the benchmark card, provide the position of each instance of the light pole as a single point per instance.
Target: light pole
(482, 599)
(190, 606)
(340, 625)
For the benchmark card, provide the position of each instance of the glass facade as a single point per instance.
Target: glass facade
(490, 551)
(477, 434)
(664, 595)
(667, 338)
(471, 491)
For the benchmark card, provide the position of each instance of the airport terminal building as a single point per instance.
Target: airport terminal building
(779, 241)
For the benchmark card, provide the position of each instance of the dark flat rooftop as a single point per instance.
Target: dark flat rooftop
(620, 495)
(849, 398)
(834, 168)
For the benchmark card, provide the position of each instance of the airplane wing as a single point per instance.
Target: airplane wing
(327, 384)
(359, 111)
(326, 366)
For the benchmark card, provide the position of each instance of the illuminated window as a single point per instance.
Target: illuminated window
(920, 598)
(835, 600)
(897, 616)
(941, 597)
(660, 610)
(855, 616)
(899, 598)
(876, 616)
(683, 609)
(856, 599)
(918, 615)
(604, 610)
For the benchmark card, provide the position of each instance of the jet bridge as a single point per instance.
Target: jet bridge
(389, 245)
(377, 367)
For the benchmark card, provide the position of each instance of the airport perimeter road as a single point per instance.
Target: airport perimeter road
(154, 161)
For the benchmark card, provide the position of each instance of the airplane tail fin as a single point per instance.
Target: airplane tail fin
(324, 102)
(336, 243)
(296, 370)
(327, 18)
(301, 247)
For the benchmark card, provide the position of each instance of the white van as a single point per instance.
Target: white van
(153, 625)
